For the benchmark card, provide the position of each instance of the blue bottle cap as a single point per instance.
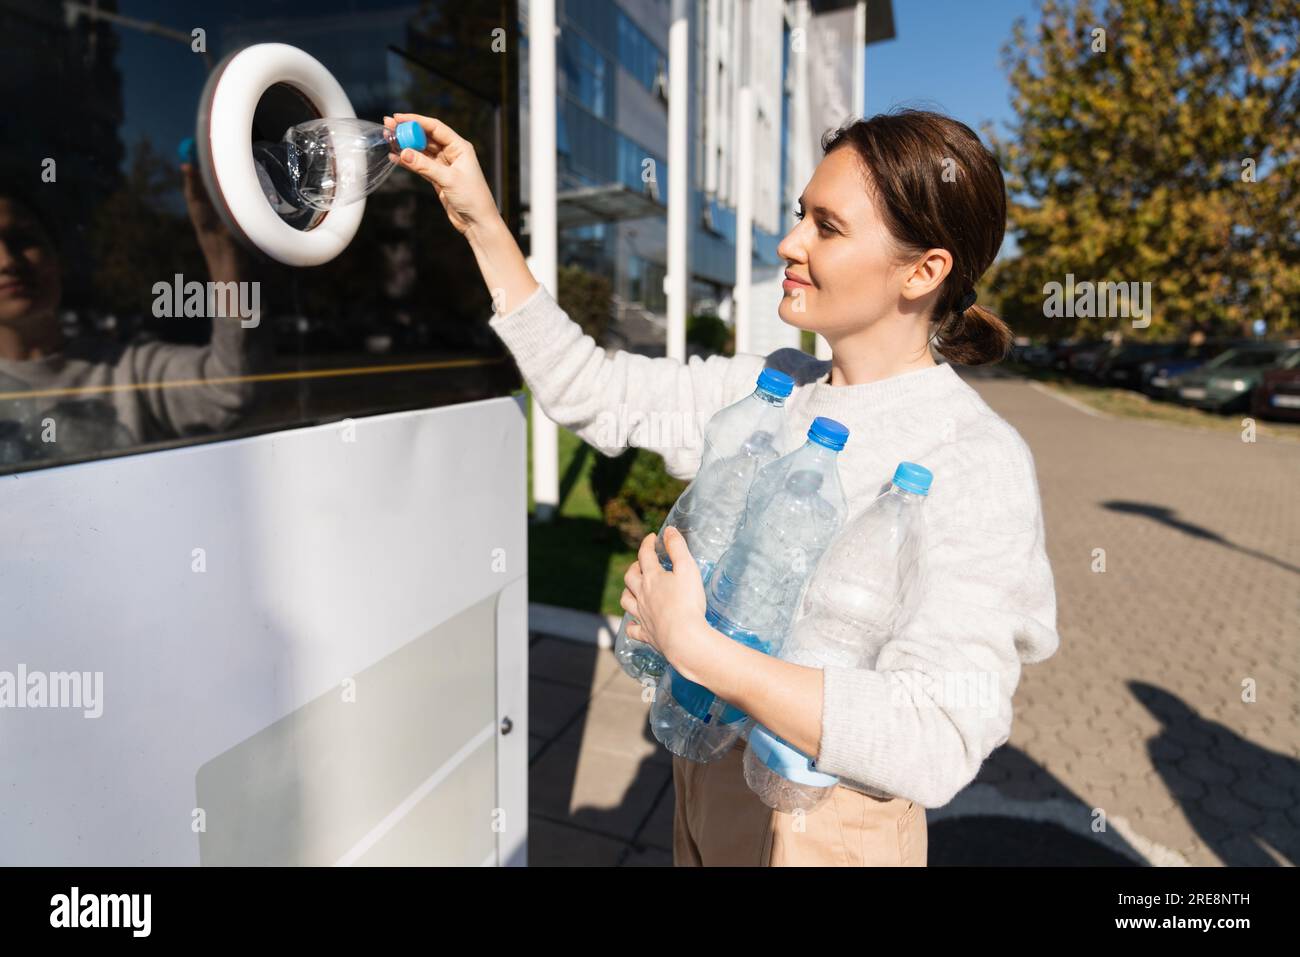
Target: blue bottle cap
(186, 150)
(410, 135)
(775, 382)
(911, 477)
(829, 433)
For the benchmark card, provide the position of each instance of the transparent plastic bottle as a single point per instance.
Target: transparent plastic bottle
(738, 441)
(795, 508)
(326, 163)
(848, 613)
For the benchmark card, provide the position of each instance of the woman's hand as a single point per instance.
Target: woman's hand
(668, 605)
(450, 165)
(785, 697)
(220, 251)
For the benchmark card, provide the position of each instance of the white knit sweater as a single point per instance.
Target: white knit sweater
(938, 698)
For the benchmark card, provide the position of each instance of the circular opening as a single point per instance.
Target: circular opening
(279, 108)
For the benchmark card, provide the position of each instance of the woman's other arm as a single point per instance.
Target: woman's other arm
(205, 388)
(938, 700)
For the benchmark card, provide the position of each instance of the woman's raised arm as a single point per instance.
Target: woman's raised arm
(451, 167)
(612, 401)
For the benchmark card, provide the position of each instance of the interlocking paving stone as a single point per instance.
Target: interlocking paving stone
(607, 791)
(1202, 540)
(552, 706)
(553, 844)
(582, 666)
(658, 830)
(649, 857)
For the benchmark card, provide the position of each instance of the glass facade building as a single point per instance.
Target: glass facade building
(612, 119)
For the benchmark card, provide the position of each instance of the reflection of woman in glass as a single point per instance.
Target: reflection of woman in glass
(63, 399)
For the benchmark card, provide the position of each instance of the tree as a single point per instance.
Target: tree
(1156, 141)
(140, 236)
(586, 297)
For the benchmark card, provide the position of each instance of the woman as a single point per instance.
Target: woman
(902, 216)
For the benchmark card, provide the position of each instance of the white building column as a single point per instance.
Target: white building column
(744, 154)
(859, 101)
(542, 227)
(860, 59)
(677, 280)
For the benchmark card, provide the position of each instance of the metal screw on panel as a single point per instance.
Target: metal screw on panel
(506, 725)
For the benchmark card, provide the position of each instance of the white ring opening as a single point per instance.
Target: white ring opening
(243, 80)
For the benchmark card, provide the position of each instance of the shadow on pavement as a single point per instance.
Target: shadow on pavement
(1016, 813)
(994, 841)
(592, 800)
(1167, 516)
(1210, 792)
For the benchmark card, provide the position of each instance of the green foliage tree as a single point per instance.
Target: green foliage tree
(141, 235)
(635, 493)
(587, 298)
(1156, 140)
(710, 334)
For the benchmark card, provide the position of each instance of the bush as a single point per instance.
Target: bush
(709, 334)
(635, 493)
(587, 298)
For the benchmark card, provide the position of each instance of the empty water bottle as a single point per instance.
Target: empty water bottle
(326, 163)
(738, 441)
(849, 612)
(795, 507)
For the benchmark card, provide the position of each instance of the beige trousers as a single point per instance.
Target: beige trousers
(719, 822)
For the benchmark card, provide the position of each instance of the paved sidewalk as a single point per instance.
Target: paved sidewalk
(1138, 722)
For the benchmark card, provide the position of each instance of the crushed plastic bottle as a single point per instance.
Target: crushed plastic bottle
(849, 611)
(326, 163)
(795, 508)
(738, 441)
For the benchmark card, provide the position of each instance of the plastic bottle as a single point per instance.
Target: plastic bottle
(795, 508)
(849, 612)
(738, 441)
(331, 162)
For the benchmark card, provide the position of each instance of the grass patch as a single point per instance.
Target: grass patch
(574, 560)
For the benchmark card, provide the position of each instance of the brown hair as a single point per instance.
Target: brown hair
(906, 154)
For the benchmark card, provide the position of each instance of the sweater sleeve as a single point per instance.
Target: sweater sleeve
(206, 388)
(620, 399)
(938, 700)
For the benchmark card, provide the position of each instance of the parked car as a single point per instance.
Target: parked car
(1121, 367)
(1082, 362)
(1157, 375)
(1038, 356)
(1224, 384)
(1278, 395)
(1065, 349)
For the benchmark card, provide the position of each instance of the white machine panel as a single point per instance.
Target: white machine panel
(296, 648)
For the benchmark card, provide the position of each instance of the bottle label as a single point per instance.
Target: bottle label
(790, 763)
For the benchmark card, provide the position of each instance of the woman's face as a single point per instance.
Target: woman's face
(29, 268)
(842, 251)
